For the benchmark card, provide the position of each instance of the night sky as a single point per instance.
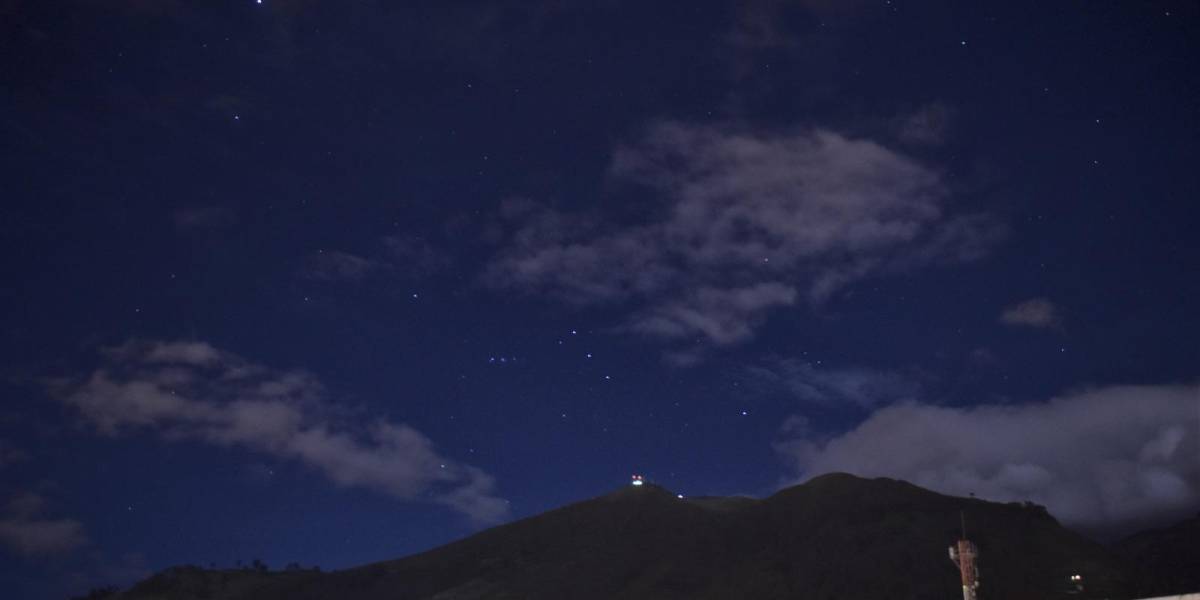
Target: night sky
(335, 282)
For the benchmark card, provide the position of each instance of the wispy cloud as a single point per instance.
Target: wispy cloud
(10, 454)
(24, 531)
(1039, 313)
(1099, 457)
(818, 385)
(743, 223)
(763, 24)
(929, 125)
(400, 257)
(335, 265)
(204, 217)
(192, 391)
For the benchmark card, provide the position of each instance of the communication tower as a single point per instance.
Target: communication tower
(965, 554)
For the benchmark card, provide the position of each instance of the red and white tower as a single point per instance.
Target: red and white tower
(964, 554)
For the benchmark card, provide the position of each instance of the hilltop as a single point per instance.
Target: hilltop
(836, 536)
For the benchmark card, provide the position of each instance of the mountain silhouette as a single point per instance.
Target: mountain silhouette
(1164, 561)
(837, 536)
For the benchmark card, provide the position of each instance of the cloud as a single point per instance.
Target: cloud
(335, 265)
(413, 256)
(191, 391)
(929, 125)
(10, 455)
(763, 24)
(405, 257)
(24, 532)
(40, 537)
(724, 316)
(1037, 312)
(821, 386)
(1121, 454)
(741, 223)
(759, 25)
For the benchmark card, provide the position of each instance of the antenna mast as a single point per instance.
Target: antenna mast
(964, 554)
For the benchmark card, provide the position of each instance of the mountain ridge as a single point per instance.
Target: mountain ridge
(835, 536)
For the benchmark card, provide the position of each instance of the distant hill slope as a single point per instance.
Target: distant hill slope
(836, 537)
(1165, 561)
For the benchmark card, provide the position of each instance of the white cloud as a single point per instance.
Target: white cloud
(1105, 456)
(1036, 312)
(744, 223)
(818, 385)
(724, 316)
(23, 531)
(193, 391)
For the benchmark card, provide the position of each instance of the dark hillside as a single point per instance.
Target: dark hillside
(837, 536)
(1165, 561)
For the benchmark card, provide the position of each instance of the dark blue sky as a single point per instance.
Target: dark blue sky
(328, 283)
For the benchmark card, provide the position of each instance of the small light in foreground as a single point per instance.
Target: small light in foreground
(637, 480)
